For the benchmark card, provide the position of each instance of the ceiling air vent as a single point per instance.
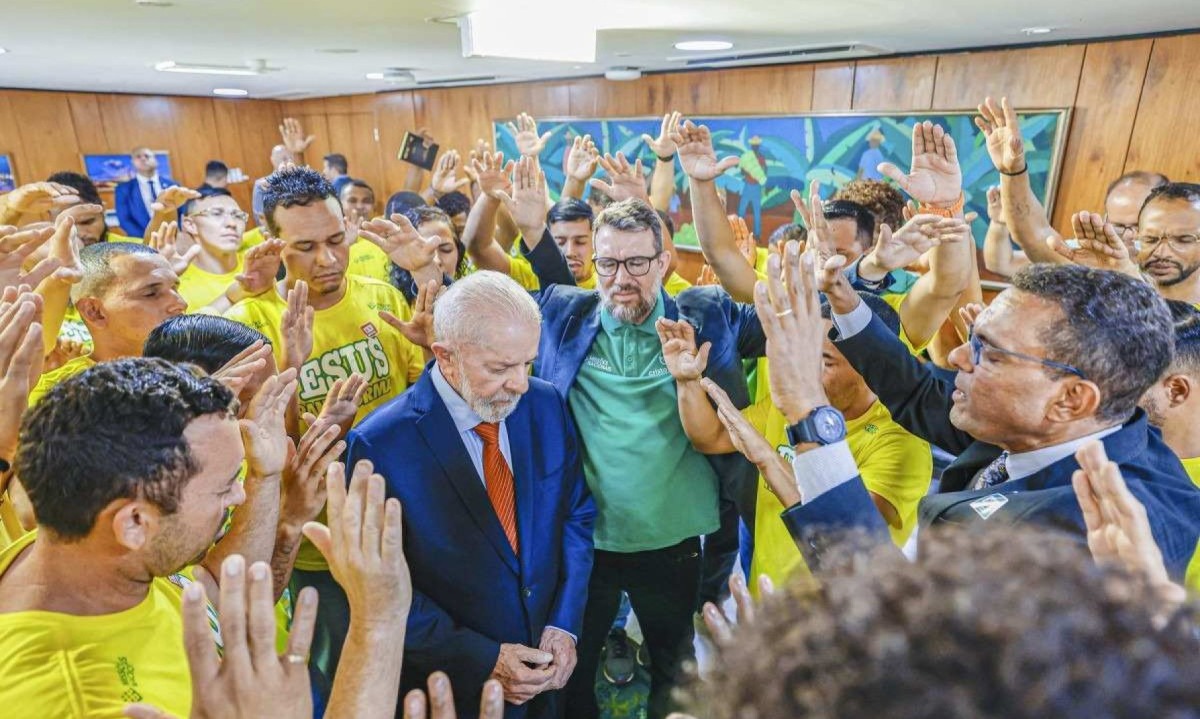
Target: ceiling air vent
(441, 82)
(794, 54)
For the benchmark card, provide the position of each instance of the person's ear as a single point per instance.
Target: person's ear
(134, 523)
(444, 357)
(1179, 389)
(188, 225)
(91, 309)
(1078, 399)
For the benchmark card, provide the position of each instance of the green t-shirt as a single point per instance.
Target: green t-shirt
(651, 488)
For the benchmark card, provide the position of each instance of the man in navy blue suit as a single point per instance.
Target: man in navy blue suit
(499, 529)
(1058, 361)
(133, 198)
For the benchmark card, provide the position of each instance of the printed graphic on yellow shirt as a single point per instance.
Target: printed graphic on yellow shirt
(366, 357)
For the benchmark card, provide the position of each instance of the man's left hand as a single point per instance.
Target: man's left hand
(562, 646)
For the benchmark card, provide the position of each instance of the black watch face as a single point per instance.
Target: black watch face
(829, 425)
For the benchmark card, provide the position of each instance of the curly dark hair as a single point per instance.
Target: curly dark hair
(82, 184)
(454, 203)
(788, 232)
(1114, 329)
(114, 431)
(290, 187)
(419, 216)
(883, 200)
(1000, 623)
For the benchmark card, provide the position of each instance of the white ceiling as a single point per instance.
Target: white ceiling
(112, 45)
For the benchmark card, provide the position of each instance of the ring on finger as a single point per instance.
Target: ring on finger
(785, 313)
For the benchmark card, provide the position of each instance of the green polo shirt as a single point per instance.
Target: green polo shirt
(651, 488)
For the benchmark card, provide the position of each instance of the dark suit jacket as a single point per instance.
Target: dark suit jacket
(920, 402)
(470, 591)
(131, 210)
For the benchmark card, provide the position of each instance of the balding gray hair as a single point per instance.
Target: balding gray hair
(478, 301)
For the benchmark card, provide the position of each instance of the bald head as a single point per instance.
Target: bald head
(1127, 194)
(280, 155)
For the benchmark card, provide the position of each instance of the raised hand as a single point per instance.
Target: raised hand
(1118, 530)
(241, 369)
(746, 243)
(418, 330)
(15, 248)
(580, 161)
(164, 240)
(172, 198)
(715, 620)
(296, 327)
(264, 431)
(525, 133)
(340, 406)
(494, 176)
(970, 312)
(995, 206)
(895, 250)
(363, 545)
(664, 145)
(707, 276)
(302, 492)
(294, 139)
(64, 351)
(832, 281)
(683, 360)
(696, 154)
(790, 312)
(20, 361)
(935, 177)
(625, 180)
(527, 204)
(41, 198)
(812, 212)
(746, 439)
(1000, 126)
(250, 680)
(441, 697)
(403, 244)
(445, 174)
(1099, 245)
(64, 247)
(260, 267)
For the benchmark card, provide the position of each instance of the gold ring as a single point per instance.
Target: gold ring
(785, 313)
(295, 658)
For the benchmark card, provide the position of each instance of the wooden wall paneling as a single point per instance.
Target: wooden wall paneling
(1168, 117)
(225, 113)
(1032, 77)
(898, 84)
(134, 120)
(10, 141)
(258, 126)
(776, 89)
(364, 149)
(88, 124)
(584, 97)
(340, 103)
(195, 138)
(393, 117)
(692, 93)
(1101, 124)
(833, 86)
(43, 122)
(540, 99)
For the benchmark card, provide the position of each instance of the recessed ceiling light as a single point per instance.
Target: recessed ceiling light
(153, 3)
(230, 92)
(1037, 30)
(703, 45)
(172, 66)
(2, 51)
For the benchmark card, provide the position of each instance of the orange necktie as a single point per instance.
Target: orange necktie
(499, 480)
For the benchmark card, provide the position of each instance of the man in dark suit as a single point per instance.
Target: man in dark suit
(134, 197)
(499, 529)
(1057, 361)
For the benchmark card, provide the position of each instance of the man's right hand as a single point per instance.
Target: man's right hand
(1003, 132)
(696, 154)
(492, 174)
(259, 268)
(527, 204)
(39, 198)
(523, 671)
(294, 139)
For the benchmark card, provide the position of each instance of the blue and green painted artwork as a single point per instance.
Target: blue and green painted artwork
(781, 153)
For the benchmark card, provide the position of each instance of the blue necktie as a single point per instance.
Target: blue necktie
(993, 474)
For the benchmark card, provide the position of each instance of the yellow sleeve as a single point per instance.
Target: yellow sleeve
(894, 301)
(897, 466)
(520, 270)
(675, 284)
(756, 414)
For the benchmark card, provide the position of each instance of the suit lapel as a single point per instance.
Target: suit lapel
(573, 350)
(442, 438)
(520, 443)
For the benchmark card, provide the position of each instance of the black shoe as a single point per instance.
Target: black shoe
(618, 664)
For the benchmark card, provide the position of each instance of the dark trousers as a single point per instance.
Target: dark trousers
(663, 586)
(333, 622)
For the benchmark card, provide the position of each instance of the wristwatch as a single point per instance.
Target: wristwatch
(824, 425)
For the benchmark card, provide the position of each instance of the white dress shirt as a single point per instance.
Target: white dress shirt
(148, 196)
(465, 420)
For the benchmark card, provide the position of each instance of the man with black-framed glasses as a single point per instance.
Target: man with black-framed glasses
(1056, 361)
(1169, 240)
(655, 494)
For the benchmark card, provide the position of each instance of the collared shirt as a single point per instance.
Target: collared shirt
(1025, 464)
(466, 420)
(144, 185)
(652, 488)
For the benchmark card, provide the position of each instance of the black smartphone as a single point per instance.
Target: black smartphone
(415, 150)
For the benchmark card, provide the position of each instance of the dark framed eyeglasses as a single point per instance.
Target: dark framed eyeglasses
(978, 345)
(636, 266)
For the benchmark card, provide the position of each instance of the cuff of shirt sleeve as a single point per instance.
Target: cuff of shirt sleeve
(819, 470)
(856, 321)
(564, 631)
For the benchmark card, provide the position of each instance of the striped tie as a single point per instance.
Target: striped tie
(499, 480)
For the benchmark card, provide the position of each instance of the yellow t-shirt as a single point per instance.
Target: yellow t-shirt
(894, 464)
(200, 288)
(1191, 578)
(73, 328)
(347, 337)
(367, 260)
(47, 381)
(250, 238)
(62, 665)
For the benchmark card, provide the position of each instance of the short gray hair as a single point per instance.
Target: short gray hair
(631, 215)
(475, 302)
(96, 262)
